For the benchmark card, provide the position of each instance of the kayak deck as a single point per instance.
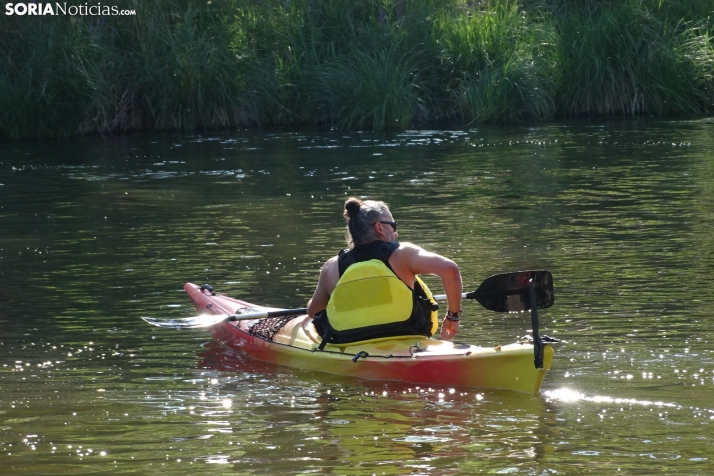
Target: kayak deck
(414, 359)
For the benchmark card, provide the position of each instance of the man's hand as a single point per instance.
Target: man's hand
(449, 329)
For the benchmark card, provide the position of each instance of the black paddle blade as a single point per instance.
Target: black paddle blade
(509, 292)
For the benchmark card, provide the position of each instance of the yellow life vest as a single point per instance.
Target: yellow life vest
(371, 302)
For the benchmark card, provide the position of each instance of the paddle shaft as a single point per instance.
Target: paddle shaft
(303, 310)
(476, 294)
(266, 314)
(493, 294)
(496, 287)
(441, 297)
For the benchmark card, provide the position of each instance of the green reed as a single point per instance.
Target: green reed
(500, 64)
(626, 60)
(47, 74)
(367, 90)
(372, 64)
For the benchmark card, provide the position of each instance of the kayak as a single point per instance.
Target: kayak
(293, 341)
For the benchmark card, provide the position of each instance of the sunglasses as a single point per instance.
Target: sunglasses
(393, 224)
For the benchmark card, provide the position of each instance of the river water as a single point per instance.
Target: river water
(97, 232)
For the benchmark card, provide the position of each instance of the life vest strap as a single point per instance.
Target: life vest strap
(344, 261)
(325, 339)
(383, 251)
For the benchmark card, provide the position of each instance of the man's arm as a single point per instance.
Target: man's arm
(417, 260)
(329, 275)
(420, 261)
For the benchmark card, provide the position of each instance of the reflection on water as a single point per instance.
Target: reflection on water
(95, 233)
(365, 426)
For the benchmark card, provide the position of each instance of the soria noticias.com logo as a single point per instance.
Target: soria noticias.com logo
(63, 8)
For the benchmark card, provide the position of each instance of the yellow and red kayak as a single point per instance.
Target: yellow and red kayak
(293, 342)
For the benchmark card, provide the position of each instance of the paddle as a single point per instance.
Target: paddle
(514, 292)
(507, 292)
(510, 292)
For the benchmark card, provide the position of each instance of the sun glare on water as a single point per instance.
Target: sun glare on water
(567, 395)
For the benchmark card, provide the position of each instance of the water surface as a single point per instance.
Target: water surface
(96, 232)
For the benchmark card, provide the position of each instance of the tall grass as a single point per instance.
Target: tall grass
(624, 60)
(49, 74)
(500, 64)
(367, 90)
(179, 75)
(369, 64)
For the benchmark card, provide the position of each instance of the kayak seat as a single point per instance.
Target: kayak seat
(314, 335)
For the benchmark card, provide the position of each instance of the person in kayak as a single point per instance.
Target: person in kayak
(372, 289)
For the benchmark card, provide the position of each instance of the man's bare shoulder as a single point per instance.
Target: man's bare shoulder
(329, 275)
(409, 248)
(407, 244)
(330, 263)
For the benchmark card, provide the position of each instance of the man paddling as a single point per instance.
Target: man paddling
(373, 290)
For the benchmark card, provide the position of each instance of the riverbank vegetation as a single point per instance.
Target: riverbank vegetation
(368, 64)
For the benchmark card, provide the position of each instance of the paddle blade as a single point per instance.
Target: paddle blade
(208, 320)
(509, 292)
(196, 322)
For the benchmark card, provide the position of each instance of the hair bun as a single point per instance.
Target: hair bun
(352, 206)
